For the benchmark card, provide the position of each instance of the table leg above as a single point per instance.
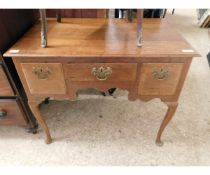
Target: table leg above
(139, 26)
(58, 17)
(43, 28)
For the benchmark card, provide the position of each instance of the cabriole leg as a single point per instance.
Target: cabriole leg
(172, 106)
(35, 110)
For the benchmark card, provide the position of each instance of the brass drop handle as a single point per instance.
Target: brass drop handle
(3, 114)
(160, 73)
(101, 73)
(41, 72)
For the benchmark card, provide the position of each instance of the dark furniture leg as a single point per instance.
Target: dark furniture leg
(130, 15)
(173, 11)
(32, 130)
(164, 13)
(109, 92)
(46, 101)
(208, 58)
(116, 13)
(32, 124)
(43, 28)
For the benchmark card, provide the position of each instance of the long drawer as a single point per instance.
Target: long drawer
(11, 113)
(109, 72)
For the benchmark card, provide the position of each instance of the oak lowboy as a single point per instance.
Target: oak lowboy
(102, 54)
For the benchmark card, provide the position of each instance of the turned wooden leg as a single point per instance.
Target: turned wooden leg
(172, 106)
(35, 110)
(43, 28)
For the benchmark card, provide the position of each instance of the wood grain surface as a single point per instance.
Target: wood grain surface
(103, 37)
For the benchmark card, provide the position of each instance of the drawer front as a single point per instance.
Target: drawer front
(5, 88)
(110, 72)
(44, 78)
(11, 114)
(159, 78)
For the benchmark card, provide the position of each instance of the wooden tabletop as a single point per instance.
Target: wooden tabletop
(103, 38)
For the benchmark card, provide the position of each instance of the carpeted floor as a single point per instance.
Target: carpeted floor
(114, 131)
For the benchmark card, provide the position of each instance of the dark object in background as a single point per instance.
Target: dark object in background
(14, 23)
(148, 13)
(208, 58)
(153, 13)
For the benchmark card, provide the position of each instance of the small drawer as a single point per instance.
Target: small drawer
(96, 72)
(5, 88)
(159, 78)
(44, 78)
(11, 113)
